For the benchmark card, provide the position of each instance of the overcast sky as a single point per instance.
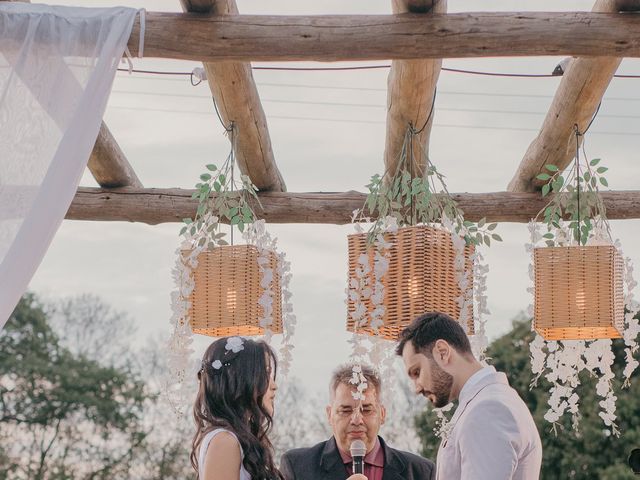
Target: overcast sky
(327, 131)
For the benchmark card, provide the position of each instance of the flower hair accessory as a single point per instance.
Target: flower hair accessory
(216, 364)
(234, 344)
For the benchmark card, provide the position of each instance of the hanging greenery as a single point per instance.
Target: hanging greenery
(270, 310)
(405, 204)
(582, 288)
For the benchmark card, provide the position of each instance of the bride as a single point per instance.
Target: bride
(233, 412)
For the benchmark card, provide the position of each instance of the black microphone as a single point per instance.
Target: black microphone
(358, 450)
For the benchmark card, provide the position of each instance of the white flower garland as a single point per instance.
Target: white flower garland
(179, 386)
(379, 352)
(564, 360)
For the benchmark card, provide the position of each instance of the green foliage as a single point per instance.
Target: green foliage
(66, 411)
(413, 199)
(576, 197)
(230, 201)
(587, 454)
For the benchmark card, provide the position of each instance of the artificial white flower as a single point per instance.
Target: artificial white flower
(234, 344)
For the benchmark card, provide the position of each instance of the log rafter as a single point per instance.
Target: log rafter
(236, 95)
(155, 205)
(411, 87)
(576, 100)
(381, 37)
(109, 165)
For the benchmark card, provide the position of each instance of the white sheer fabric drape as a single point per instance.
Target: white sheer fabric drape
(57, 65)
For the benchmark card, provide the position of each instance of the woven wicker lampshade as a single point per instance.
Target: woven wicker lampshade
(421, 277)
(227, 289)
(578, 292)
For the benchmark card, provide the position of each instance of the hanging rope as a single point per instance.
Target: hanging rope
(578, 135)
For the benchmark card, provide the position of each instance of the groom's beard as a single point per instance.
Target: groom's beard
(441, 389)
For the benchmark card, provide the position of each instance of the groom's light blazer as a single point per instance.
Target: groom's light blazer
(492, 435)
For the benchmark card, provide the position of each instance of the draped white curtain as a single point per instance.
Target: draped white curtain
(57, 66)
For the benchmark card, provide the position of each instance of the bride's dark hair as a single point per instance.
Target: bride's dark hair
(231, 396)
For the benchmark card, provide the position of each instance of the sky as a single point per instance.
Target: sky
(327, 131)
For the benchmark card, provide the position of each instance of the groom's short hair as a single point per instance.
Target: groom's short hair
(425, 330)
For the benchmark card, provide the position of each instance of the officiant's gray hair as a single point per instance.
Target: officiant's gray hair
(343, 375)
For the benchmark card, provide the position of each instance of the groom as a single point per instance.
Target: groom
(492, 435)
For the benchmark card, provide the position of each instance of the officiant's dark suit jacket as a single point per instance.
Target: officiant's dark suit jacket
(323, 462)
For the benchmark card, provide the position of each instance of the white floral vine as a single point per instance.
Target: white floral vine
(179, 384)
(562, 361)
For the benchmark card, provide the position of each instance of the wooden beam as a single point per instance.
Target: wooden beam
(109, 165)
(581, 89)
(379, 37)
(411, 87)
(154, 206)
(236, 96)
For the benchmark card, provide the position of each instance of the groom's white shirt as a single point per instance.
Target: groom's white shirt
(492, 435)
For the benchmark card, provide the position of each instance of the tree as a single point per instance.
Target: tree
(299, 418)
(77, 406)
(586, 454)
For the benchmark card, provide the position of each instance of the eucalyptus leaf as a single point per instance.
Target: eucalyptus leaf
(545, 189)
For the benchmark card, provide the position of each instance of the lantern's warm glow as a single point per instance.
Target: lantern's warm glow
(580, 298)
(226, 296)
(578, 292)
(413, 287)
(231, 300)
(422, 277)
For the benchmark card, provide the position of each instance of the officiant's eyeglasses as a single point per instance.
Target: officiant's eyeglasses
(364, 410)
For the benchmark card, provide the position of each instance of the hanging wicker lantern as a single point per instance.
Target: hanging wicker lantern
(421, 277)
(225, 299)
(578, 292)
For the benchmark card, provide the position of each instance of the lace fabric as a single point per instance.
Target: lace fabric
(57, 66)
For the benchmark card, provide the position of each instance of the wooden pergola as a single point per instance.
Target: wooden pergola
(416, 37)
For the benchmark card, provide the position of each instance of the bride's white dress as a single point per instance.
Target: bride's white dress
(244, 475)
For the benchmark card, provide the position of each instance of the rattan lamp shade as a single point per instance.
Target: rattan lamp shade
(578, 292)
(421, 277)
(227, 289)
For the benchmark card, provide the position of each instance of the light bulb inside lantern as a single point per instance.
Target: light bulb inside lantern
(413, 286)
(231, 300)
(581, 298)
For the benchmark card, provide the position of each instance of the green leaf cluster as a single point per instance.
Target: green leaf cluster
(62, 406)
(220, 194)
(575, 197)
(419, 199)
